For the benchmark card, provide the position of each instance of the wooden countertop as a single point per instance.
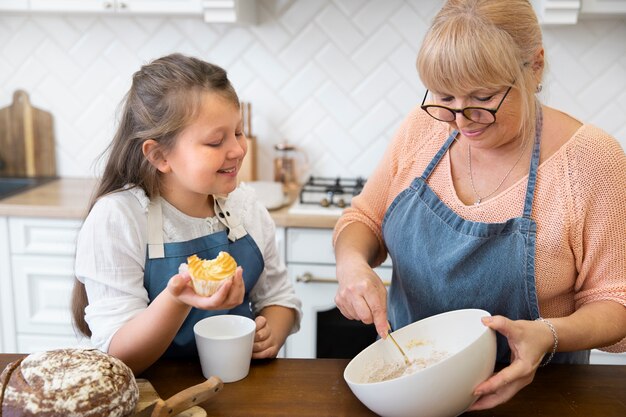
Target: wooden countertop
(68, 198)
(316, 388)
(65, 198)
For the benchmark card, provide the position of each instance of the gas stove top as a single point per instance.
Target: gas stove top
(327, 195)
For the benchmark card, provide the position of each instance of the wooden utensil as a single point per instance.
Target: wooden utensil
(407, 361)
(247, 172)
(26, 140)
(182, 404)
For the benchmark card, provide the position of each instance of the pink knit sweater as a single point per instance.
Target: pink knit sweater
(579, 207)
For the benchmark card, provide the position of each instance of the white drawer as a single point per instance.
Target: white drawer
(599, 357)
(43, 236)
(310, 246)
(43, 286)
(313, 246)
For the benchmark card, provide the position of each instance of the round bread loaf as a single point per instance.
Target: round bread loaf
(68, 383)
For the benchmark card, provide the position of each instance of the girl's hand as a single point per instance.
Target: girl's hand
(265, 345)
(362, 296)
(529, 341)
(229, 295)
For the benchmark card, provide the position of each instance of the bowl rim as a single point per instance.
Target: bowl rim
(433, 366)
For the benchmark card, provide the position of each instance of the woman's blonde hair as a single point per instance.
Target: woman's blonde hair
(474, 44)
(164, 97)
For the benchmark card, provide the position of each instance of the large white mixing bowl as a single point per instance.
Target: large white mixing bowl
(443, 389)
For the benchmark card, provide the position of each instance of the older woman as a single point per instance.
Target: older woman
(488, 199)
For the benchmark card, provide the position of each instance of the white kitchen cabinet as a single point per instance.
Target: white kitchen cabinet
(218, 11)
(36, 283)
(118, 6)
(599, 357)
(604, 7)
(7, 324)
(558, 12)
(14, 5)
(311, 267)
(71, 6)
(230, 11)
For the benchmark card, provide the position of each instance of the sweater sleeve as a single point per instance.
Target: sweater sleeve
(597, 184)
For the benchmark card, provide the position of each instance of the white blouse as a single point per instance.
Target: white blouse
(111, 254)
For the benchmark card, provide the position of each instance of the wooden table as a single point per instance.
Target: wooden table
(315, 387)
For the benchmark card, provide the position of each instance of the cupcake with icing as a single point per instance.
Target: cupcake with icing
(208, 275)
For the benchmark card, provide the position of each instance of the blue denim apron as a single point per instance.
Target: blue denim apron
(163, 260)
(442, 262)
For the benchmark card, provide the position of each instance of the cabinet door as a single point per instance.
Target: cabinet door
(119, 6)
(161, 6)
(613, 7)
(43, 286)
(7, 324)
(599, 357)
(313, 246)
(310, 246)
(72, 5)
(316, 296)
(37, 236)
(14, 5)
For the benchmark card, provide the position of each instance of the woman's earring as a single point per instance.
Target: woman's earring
(539, 88)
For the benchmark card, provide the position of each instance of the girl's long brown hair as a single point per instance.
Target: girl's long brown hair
(164, 97)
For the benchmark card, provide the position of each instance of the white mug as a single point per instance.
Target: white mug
(225, 346)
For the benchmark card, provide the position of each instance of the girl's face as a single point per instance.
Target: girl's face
(505, 128)
(207, 154)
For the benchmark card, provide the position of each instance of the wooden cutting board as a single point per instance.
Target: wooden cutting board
(148, 395)
(26, 140)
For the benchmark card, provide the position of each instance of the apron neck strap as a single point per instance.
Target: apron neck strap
(433, 163)
(227, 218)
(534, 164)
(156, 249)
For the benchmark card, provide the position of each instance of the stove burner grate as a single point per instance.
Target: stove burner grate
(330, 191)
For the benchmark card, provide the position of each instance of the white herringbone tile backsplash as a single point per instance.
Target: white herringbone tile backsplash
(335, 77)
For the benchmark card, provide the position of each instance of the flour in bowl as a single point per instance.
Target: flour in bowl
(380, 371)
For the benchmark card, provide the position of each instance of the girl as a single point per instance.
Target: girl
(169, 190)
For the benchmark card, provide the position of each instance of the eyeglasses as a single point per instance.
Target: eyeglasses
(475, 114)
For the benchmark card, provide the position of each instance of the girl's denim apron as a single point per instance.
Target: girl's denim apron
(442, 262)
(163, 260)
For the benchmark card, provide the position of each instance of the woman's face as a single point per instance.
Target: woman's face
(504, 130)
(208, 153)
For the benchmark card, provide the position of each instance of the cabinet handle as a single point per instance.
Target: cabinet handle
(123, 6)
(108, 5)
(308, 277)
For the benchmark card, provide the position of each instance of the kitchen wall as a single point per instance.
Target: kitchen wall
(335, 77)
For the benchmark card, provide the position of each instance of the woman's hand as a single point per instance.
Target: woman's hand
(265, 343)
(362, 296)
(228, 296)
(529, 341)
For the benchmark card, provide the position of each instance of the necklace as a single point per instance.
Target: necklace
(469, 163)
